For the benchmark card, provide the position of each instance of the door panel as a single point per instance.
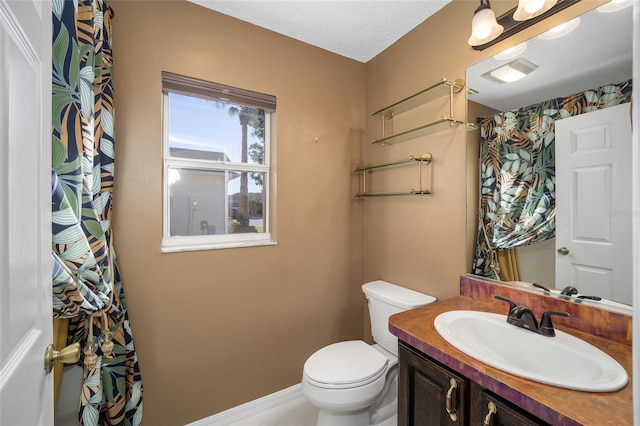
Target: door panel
(26, 396)
(593, 188)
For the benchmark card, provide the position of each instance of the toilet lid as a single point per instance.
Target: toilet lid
(343, 363)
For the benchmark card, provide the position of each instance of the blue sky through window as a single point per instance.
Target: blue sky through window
(205, 125)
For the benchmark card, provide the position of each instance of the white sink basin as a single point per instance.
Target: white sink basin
(564, 360)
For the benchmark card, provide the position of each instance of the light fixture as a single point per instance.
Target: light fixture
(614, 5)
(528, 9)
(560, 30)
(513, 26)
(511, 52)
(513, 71)
(484, 27)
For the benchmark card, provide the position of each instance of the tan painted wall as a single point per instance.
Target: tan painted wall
(215, 329)
(218, 328)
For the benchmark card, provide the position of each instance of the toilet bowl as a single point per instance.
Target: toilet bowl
(346, 380)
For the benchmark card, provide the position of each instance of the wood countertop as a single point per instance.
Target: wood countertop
(557, 406)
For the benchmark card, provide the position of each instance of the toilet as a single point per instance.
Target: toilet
(354, 383)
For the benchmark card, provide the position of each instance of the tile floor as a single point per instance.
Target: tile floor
(296, 412)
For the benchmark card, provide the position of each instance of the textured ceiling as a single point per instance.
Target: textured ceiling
(597, 52)
(358, 29)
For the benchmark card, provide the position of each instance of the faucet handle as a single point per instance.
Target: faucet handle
(569, 291)
(546, 326)
(512, 305)
(589, 297)
(541, 287)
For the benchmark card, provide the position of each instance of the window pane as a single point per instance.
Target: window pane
(217, 131)
(208, 202)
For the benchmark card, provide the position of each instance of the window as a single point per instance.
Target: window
(216, 165)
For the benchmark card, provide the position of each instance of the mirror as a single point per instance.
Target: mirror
(597, 52)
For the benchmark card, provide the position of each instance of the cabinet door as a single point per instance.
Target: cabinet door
(429, 393)
(496, 412)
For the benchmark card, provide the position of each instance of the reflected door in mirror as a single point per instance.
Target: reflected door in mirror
(593, 223)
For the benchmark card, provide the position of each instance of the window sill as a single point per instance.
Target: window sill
(177, 248)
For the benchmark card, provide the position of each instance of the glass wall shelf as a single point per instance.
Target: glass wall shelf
(424, 129)
(440, 89)
(426, 158)
(435, 91)
(420, 160)
(387, 194)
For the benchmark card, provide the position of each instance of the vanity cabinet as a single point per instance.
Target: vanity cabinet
(429, 393)
(495, 411)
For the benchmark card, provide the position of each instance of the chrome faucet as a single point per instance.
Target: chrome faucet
(523, 317)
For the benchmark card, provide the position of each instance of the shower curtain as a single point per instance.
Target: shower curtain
(87, 287)
(517, 172)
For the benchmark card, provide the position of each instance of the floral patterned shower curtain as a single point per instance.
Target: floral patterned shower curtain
(87, 287)
(517, 172)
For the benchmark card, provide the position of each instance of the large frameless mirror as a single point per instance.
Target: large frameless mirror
(584, 71)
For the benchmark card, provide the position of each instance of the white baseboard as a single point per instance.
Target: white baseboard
(237, 414)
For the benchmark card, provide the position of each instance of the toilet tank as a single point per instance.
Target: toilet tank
(386, 299)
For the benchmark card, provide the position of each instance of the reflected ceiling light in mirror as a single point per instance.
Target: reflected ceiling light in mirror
(511, 52)
(528, 9)
(513, 71)
(614, 5)
(484, 27)
(560, 30)
(512, 26)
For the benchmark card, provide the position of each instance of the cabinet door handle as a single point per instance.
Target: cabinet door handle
(492, 410)
(451, 409)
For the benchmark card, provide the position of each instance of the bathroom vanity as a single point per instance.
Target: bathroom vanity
(432, 394)
(438, 384)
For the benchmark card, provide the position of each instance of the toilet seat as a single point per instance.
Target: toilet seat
(345, 365)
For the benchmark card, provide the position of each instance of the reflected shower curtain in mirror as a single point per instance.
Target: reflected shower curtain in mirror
(87, 287)
(517, 172)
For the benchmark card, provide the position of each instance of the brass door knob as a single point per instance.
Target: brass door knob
(563, 251)
(68, 355)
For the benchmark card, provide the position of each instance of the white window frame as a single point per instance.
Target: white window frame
(173, 83)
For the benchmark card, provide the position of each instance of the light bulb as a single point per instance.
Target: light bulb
(482, 23)
(558, 28)
(615, 5)
(528, 9)
(511, 52)
(534, 6)
(484, 27)
(482, 32)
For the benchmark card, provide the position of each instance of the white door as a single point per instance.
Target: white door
(26, 392)
(594, 203)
